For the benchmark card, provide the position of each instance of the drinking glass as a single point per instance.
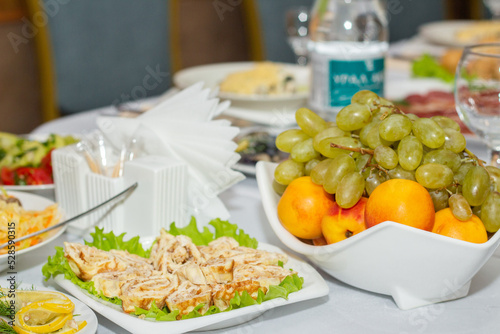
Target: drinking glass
(297, 29)
(494, 8)
(477, 94)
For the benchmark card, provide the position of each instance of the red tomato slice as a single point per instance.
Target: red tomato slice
(7, 176)
(32, 176)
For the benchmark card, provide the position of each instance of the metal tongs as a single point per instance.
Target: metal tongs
(50, 228)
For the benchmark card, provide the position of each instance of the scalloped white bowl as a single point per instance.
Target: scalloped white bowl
(413, 266)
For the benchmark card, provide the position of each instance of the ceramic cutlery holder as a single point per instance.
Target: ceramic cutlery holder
(159, 199)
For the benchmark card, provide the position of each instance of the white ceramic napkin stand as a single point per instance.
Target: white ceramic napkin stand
(159, 200)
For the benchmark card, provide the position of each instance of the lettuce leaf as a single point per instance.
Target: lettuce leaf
(428, 66)
(108, 241)
(222, 228)
(58, 264)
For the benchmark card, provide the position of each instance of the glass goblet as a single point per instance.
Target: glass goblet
(477, 94)
(297, 29)
(494, 8)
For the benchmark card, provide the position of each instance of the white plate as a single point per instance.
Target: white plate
(249, 168)
(30, 187)
(82, 310)
(314, 287)
(444, 32)
(212, 75)
(31, 202)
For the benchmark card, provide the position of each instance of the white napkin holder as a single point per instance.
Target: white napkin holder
(159, 199)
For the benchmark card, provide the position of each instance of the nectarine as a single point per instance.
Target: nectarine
(401, 201)
(339, 224)
(302, 206)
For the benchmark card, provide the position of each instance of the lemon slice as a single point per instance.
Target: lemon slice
(53, 325)
(43, 312)
(27, 297)
(65, 330)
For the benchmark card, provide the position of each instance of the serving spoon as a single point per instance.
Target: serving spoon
(50, 228)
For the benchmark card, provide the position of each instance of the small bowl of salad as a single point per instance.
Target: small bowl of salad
(26, 163)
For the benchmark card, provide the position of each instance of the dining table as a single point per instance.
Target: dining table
(346, 309)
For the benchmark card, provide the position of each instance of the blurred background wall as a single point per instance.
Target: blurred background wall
(99, 53)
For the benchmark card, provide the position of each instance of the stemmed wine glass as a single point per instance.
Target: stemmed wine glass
(494, 7)
(297, 28)
(477, 94)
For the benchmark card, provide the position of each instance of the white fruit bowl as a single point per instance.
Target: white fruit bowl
(413, 266)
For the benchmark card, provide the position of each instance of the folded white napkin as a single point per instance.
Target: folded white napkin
(182, 127)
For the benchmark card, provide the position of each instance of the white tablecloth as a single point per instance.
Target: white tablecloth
(346, 310)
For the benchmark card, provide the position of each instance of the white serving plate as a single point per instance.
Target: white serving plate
(82, 311)
(314, 287)
(212, 75)
(30, 187)
(444, 32)
(31, 202)
(413, 266)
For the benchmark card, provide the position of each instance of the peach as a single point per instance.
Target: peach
(339, 224)
(302, 206)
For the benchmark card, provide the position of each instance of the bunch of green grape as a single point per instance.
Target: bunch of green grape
(373, 141)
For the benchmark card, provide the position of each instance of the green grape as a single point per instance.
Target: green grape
(401, 173)
(395, 127)
(446, 123)
(434, 176)
(325, 148)
(310, 165)
(361, 161)
(443, 157)
(410, 152)
(383, 109)
(412, 117)
(350, 190)
(494, 177)
(366, 97)
(278, 188)
(286, 140)
(337, 169)
(476, 185)
(287, 171)
(386, 157)
(460, 207)
(330, 132)
(374, 140)
(318, 171)
(462, 171)
(428, 132)
(363, 134)
(353, 117)
(309, 122)
(490, 212)
(304, 151)
(439, 199)
(477, 210)
(373, 180)
(454, 141)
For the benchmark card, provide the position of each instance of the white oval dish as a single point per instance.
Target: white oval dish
(413, 266)
(212, 75)
(31, 202)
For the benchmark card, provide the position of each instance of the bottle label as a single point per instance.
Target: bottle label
(346, 77)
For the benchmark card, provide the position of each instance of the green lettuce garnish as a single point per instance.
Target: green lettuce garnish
(58, 265)
(222, 229)
(108, 241)
(428, 66)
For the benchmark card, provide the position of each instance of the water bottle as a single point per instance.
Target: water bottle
(348, 44)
